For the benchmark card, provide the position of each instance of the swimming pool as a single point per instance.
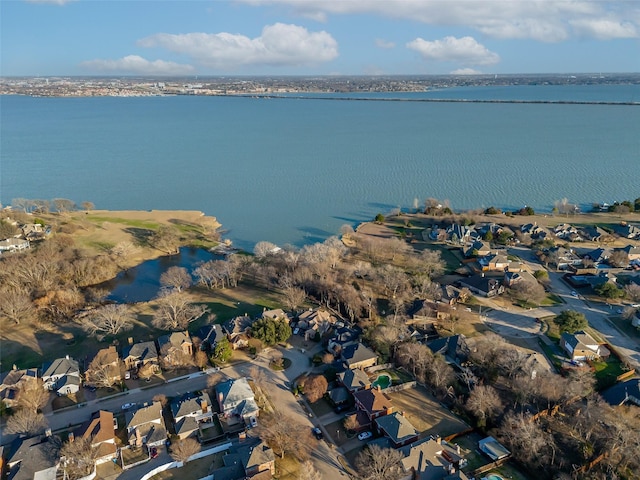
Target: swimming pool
(383, 381)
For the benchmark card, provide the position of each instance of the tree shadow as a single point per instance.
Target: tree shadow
(140, 235)
(313, 235)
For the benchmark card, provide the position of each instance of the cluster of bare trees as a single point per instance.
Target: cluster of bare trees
(425, 366)
(220, 273)
(46, 282)
(27, 419)
(175, 311)
(285, 436)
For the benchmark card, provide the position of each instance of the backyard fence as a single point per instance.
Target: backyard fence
(402, 386)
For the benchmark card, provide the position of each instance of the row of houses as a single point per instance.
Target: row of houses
(145, 427)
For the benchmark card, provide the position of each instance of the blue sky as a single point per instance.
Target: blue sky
(318, 37)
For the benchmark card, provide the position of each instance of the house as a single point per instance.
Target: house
(478, 248)
(599, 255)
(209, 336)
(342, 337)
(511, 278)
(35, 231)
(101, 431)
(189, 411)
(494, 450)
(426, 311)
(458, 234)
(448, 294)
(141, 355)
(338, 395)
(627, 392)
(632, 251)
(487, 286)
(62, 376)
(358, 356)
(627, 230)
(494, 262)
(237, 331)
(373, 403)
(397, 428)
(13, 245)
(145, 426)
(251, 458)
(354, 380)
(275, 314)
(104, 368)
(454, 349)
(581, 346)
(236, 399)
(593, 234)
(431, 459)
(314, 321)
(35, 458)
(176, 349)
(12, 381)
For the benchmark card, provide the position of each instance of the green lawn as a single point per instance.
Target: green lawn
(607, 372)
(123, 221)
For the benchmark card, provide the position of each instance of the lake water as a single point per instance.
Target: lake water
(142, 282)
(294, 170)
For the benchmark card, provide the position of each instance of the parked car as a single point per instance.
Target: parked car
(341, 408)
(127, 406)
(254, 422)
(365, 435)
(317, 433)
(574, 293)
(153, 452)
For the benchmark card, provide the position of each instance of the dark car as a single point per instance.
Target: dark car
(341, 408)
(153, 452)
(317, 433)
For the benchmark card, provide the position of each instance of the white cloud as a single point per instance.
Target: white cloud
(51, 2)
(605, 29)
(380, 43)
(278, 45)
(135, 64)
(451, 49)
(543, 20)
(466, 71)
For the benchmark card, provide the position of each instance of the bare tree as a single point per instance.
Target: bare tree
(63, 205)
(285, 436)
(438, 373)
(632, 291)
(528, 291)
(351, 422)
(376, 463)
(619, 258)
(16, 306)
(32, 395)
(207, 274)
(484, 403)
(201, 359)
(109, 320)
(176, 312)
(308, 472)
(315, 388)
(264, 249)
(527, 439)
(78, 457)
(124, 250)
(184, 448)
(26, 422)
(176, 278)
(294, 297)
(88, 206)
(166, 238)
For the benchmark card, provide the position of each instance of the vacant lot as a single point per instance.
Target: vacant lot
(425, 413)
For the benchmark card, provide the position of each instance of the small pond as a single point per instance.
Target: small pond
(383, 381)
(142, 282)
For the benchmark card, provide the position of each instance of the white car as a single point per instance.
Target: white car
(127, 406)
(574, 293)
(254, 422)
(365, 435)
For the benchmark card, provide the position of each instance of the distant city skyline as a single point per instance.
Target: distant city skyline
(318, 37)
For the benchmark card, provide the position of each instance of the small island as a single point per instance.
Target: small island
(477, 340)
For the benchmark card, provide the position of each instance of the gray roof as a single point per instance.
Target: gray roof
(623, 392)
(354, 379)
(142, 351)
(189, 404)
(61, 366)
(150, 413)
(233, 392)
(353, 354)
(339, 395)
(397, 427)
(33, 455)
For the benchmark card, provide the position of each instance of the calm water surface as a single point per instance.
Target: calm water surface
(295, 170)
